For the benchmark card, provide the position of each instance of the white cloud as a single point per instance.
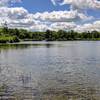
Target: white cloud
(88, 27)
(80, 4)
(63, 26)
(53, 1)
(39, 27)
(15, 17)
(13, 13)
(7, 2)
(56, 16)
(61, 16)
(19, 17)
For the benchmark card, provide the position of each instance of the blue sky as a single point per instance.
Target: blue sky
(40, 15)
(34, 6)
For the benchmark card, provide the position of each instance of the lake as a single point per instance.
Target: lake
(51, 70)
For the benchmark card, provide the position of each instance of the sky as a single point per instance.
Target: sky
(34, 6)
(40, 15)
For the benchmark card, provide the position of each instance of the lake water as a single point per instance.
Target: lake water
(52, 70)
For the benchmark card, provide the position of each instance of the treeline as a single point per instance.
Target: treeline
(16, 35)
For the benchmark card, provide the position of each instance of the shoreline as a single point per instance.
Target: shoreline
(46, 41)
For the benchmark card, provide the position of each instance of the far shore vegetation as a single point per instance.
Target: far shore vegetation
(8, 35)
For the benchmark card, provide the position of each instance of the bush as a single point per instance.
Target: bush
(8, 39)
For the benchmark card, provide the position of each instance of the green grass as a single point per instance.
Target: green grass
(8, 39)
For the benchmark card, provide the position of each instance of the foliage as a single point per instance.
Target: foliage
(15, 35)
(8, 39)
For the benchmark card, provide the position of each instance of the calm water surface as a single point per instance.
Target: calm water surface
(53, 69)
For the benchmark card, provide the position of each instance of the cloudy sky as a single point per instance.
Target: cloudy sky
(40, 15)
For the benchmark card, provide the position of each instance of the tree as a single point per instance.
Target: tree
(5, 27)
(48, 35)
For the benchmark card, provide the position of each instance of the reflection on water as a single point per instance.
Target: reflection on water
(23, 45)
(50, 70)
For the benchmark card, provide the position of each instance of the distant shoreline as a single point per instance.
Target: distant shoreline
(16, 35)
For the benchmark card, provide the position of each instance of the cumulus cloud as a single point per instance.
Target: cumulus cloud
(73, 26)
(63, 26)
(88, 27)
(61, 16)
(13, 13)
(19, 17)
(15, 17)
(79, 4)
(7, 2)
(39, 27)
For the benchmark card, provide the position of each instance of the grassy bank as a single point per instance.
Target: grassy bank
(8, 39)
